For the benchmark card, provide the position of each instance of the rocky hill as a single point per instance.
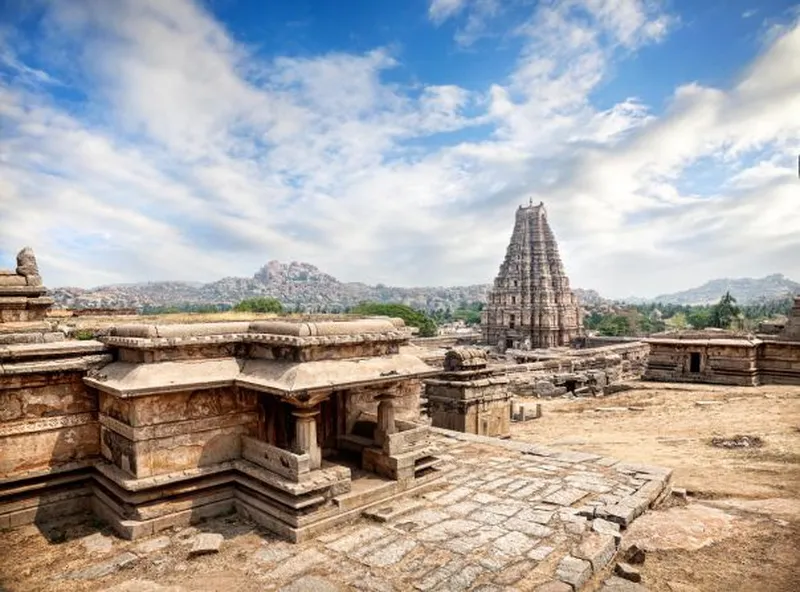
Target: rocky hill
(745, 290)
(294, 284)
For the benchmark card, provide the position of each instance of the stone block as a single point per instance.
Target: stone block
(574, 571)
(206, 543)
(598, 549)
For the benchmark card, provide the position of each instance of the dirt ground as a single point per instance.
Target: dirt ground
(739, 529)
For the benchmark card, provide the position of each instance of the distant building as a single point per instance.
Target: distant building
(531, 304)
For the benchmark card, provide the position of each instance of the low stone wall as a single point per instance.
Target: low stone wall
(447, 340)
(284, 463)
(579, 371)
(779, 362)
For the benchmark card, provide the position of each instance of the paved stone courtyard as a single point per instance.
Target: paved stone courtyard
(508, 516)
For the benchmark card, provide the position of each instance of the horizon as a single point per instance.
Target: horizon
(411, 287)
(392, 144)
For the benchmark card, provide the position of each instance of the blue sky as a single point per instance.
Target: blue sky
(392, 141)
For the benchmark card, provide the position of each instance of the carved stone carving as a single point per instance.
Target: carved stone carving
(531, 304)
(27, 266)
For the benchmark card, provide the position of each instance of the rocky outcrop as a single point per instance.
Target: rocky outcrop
(531, 304)
(295, 284)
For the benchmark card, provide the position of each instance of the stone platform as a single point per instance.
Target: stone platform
(508, 516)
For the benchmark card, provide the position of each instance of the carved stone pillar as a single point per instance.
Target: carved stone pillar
(306, 435)
(386, 424)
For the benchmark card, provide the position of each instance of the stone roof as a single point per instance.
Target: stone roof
(125, 379)
(143, 336)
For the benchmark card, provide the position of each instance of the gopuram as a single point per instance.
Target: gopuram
(163, 425)
(531, 305)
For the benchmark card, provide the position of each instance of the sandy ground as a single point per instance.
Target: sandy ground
(740, 528)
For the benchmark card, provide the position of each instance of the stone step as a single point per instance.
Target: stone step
(387, 512)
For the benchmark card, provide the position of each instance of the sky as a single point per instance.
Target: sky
(392, 141)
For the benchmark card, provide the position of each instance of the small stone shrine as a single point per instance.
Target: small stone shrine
(469, 396)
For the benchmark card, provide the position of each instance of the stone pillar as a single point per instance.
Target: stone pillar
(306, 435)
(386, 424)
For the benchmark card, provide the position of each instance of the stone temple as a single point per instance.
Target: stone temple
(531, 304)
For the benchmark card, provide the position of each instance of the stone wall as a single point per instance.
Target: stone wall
(724, 358)
(779, 362)
(731, 362)
(160, 434)
(479, 407)
(589, 370)
(49, 434)
(447, 340)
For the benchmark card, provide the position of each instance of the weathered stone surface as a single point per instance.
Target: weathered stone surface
(566, 496)
(97, 543)
(390, 554)
(206, 543)
(541, 552)
(616, 584)
(105, 568)
(598, 549)
(152, 545)
(574, 571)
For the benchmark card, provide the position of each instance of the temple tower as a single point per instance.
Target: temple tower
(531, 304)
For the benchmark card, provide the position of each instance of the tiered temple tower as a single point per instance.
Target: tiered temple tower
(531, 305)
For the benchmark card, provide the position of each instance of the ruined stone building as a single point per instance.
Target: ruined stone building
(531, 304)
(161, 425)
(715, 356)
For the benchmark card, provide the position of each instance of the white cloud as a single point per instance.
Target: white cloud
(441, 10)
(195, 157)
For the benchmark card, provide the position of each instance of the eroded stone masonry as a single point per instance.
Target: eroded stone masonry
(531, 304)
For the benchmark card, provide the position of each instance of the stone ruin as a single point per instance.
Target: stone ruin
(531, 304)
(469, 396)
(24, 304)
(302, 427)
(715, 356)
(162, 425)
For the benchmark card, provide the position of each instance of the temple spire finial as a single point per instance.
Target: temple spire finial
(530, 201)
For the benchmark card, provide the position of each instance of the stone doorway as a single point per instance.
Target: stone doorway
(694, 362)
(276, 426)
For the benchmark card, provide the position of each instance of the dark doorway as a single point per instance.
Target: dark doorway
(329, 424)
(509, 344)
(694, 362)
(275, 422)
(571, 385)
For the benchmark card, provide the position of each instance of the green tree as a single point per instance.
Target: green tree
(700, 317)
(724, 312)
(615, 325)
(677, 320)
(260, 304)
(413, 318)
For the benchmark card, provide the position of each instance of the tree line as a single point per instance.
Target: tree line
(644, 319)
